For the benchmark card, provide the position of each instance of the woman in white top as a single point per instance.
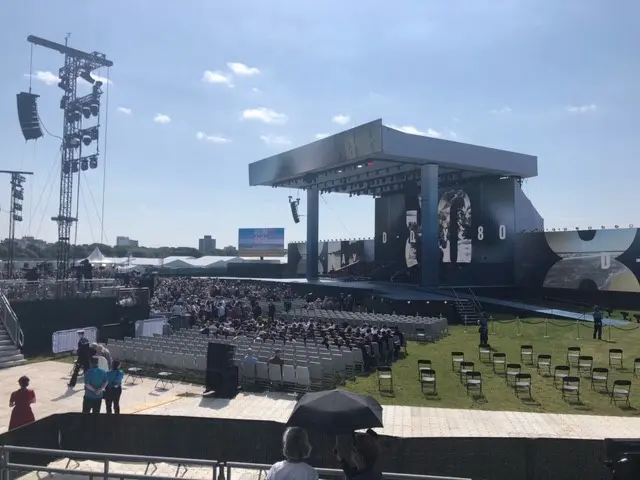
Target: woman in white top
(296, 449)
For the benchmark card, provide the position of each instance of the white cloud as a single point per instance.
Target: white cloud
(452, 134)
(264, 115)
(212, 138)
(162, 118)
(320, 136)
(126, 111)
(430, 132)
(501, 111)
(275, 140)
(46, 77)
(242, 70)
(582, 108)
(255, 90)
(217, 77)
(341, 119)
(97, 78)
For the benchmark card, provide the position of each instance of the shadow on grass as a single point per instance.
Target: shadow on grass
(629, 410)
(530, 402)
(387, 393)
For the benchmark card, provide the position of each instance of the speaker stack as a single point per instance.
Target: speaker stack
(28, 116)
(222, 374)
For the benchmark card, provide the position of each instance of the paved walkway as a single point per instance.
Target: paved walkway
(49, 381)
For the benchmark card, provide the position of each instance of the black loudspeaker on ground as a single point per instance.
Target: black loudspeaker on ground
(28, 116)
(222, 374)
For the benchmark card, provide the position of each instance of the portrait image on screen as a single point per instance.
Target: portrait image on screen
(334, 256)
(454, 215)
(412, 244)
(261, 242)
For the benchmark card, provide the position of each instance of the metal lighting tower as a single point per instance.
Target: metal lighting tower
(75, 135)
(15, 212)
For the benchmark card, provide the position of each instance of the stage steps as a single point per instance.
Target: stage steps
(10, 355)
(467, 307)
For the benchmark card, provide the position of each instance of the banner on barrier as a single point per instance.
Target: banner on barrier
(150, 327)
(64, 341)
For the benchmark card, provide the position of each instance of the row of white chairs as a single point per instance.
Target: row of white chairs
(287, 377)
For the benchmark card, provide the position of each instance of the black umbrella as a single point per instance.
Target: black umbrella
(337, 412)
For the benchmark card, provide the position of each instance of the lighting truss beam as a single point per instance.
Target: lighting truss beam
(15, 212)
(76, 137)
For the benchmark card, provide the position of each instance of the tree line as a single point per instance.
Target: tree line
(48, 251)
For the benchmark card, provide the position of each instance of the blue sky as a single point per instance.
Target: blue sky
(556, 79)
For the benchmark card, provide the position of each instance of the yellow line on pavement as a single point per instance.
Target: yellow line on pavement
(147, 406)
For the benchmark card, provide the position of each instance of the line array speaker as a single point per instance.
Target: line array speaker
(28, 116)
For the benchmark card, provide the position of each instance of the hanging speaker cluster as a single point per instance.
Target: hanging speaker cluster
(28, 116)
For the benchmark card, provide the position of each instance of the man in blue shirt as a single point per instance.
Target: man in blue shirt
(95, 383)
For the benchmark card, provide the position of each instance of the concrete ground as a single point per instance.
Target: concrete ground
(49, 380)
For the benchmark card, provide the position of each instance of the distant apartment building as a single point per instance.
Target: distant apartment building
(126, 242)
(207, 245)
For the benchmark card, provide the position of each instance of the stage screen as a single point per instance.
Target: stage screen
(606, 260)
(477, 223)
(261, 242)
(332, 256)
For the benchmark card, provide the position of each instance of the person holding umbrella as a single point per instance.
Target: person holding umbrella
(364, 455)
(296, 449)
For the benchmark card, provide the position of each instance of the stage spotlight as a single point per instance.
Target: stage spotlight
(94, 108)
(86, 111)
(74, 166)
(84, 164)
(86, 75)
(86, 139)
(66, 167)
(93, 162)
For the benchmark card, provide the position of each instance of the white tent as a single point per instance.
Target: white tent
(96, 257)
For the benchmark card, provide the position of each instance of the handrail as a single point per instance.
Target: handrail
(11, 323)
(106, 458)
(476, 302)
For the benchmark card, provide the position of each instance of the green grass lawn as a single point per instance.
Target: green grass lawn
(506, 337)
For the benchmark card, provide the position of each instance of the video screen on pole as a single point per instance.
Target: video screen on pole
(261, 242)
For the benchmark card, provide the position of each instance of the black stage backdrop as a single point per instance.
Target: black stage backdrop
(605, 260)
(477, 227)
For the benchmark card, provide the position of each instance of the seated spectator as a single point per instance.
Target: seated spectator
(364, 455)
(276, 359)
(296, 449)
(250, 357)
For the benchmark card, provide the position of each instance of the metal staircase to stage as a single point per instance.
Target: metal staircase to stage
(11, 336)
(467, 307)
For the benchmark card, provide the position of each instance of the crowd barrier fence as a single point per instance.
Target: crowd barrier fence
(65, 341)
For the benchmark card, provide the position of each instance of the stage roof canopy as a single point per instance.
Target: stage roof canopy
(374, 159)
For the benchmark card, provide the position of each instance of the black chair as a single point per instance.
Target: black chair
(465, 367)
(585, 365)
(570, 387)
(573, 353)
(423, 365)
(621, 389)
(600, 377)
(522, 384)
(499, 363)
(526, 354)
(428, 379)
(473, 382)
(512, 370)
(456, 360)
(616, 357)
(543, 363)
(560, 372)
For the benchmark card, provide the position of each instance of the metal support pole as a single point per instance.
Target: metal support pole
(546, 328)
(430, 226)
(578, 329)
(518, 326)
(313, 213)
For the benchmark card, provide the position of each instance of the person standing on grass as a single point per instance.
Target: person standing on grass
(95, 383)
(597, 323)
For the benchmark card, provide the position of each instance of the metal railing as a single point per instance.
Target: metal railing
(49, 289)
(220, 470)
(10, 322)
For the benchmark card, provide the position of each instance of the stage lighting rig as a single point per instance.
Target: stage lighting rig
(77, 138)
(15, 212)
